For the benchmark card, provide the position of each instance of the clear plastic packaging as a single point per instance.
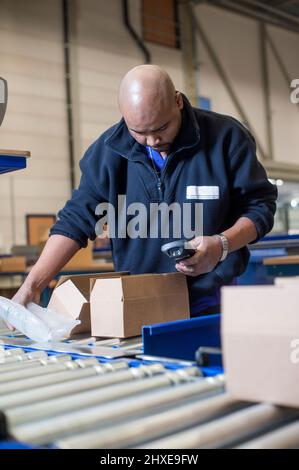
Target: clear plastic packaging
(39, 324)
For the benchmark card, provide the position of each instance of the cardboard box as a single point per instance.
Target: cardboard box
(260, 340)
(71, 297)
(13, 264)
(121, 305)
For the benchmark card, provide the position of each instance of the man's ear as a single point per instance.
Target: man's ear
(179, 100)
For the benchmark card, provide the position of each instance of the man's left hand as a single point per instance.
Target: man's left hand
(207, 256)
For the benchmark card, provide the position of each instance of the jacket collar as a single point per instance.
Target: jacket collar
(121, 141)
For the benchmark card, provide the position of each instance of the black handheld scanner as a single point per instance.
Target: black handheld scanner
(178, 250)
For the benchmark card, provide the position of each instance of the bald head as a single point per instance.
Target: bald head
(144, 85)
(148, 101)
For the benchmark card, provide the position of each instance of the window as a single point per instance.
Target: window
(160, 22)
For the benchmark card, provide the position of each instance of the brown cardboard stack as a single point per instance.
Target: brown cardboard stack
(83, 258)
(260, 340)
(118, 304)
(13, 264)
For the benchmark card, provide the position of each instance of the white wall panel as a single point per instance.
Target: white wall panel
(31, 52)
(235, 40)
(31, 58)
(285, 114)
(105, 52)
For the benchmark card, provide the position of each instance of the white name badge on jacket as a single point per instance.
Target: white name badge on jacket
(202, 192)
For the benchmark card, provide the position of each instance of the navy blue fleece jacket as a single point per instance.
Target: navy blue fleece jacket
(210, 150)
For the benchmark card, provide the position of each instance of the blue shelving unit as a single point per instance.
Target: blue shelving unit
(10, 162)
(180, 339)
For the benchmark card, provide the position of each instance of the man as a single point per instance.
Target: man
(160, 149)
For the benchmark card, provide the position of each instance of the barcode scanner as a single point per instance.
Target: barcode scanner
(178, 250)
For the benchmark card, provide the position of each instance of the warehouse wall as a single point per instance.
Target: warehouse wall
(31, 58)
(285, 115)
(236, 42)
(104, 52)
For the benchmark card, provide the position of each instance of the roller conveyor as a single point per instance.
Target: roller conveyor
(68, 400)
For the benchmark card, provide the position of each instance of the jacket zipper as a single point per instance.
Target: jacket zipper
(158, 179)
(159, 186)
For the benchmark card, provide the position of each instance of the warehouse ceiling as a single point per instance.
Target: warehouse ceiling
(282, 13)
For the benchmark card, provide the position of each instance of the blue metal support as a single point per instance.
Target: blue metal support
(12, 163)
(181, 339)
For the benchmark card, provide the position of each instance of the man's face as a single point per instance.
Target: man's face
(156, 126)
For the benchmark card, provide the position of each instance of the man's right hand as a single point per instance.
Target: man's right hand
(24, 296)
(56, 253)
